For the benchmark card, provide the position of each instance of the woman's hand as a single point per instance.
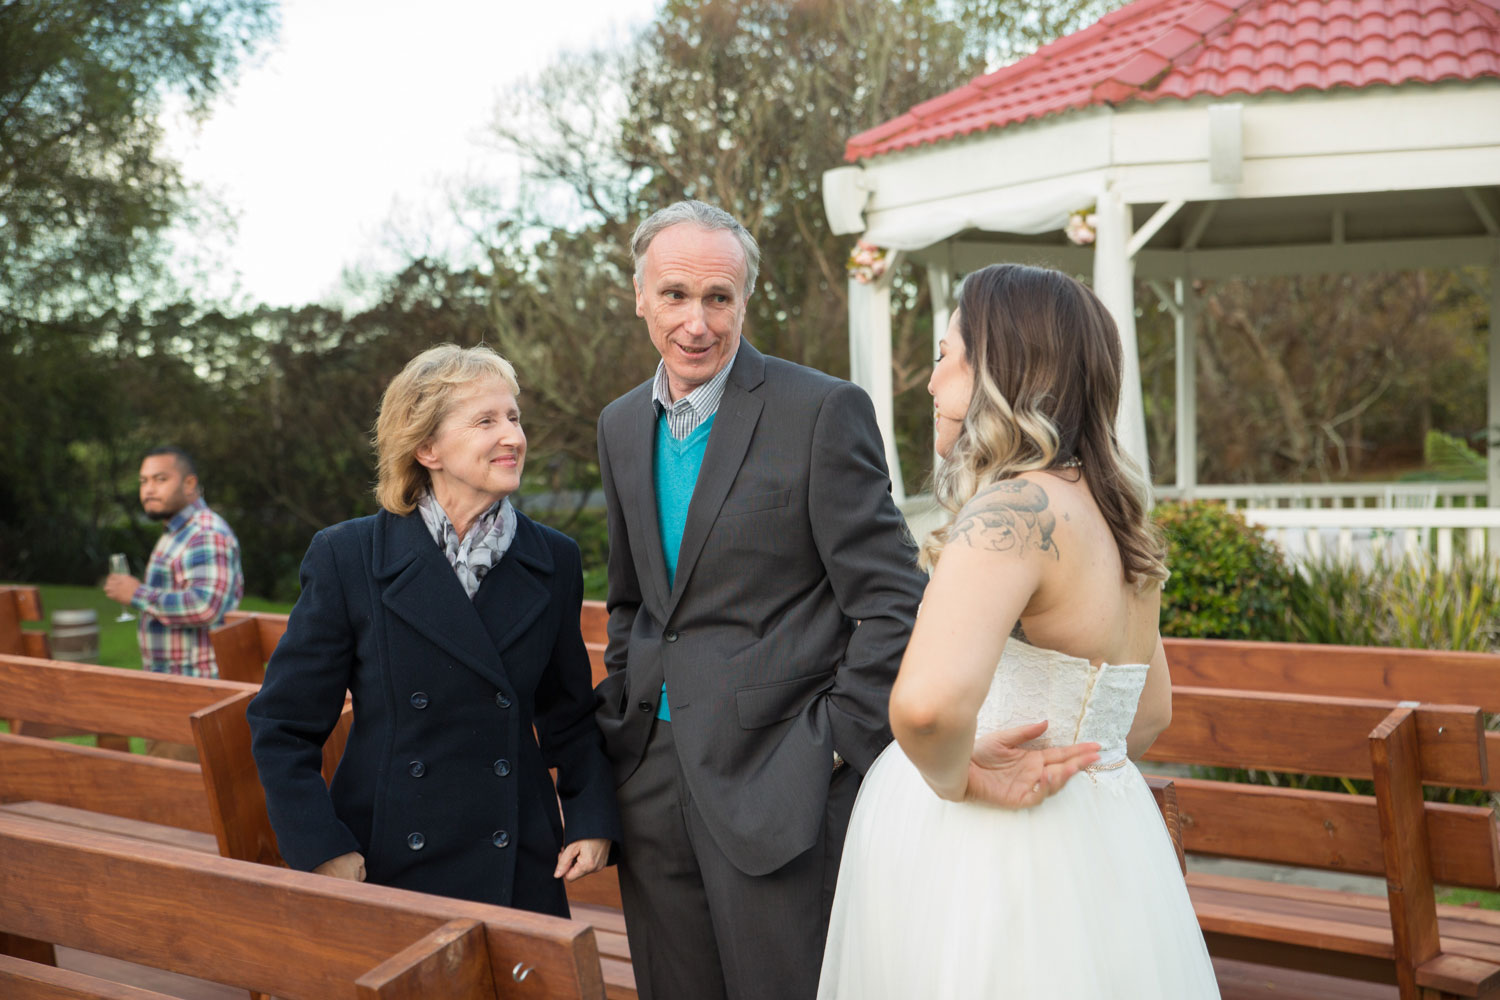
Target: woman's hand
(350, 866)
(582, 857)
(1002, 773)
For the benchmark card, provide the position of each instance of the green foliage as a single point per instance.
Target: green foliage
(1228, 581)
(84, 191)
(1407, 603)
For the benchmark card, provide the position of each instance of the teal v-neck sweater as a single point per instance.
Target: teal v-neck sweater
(677, 466)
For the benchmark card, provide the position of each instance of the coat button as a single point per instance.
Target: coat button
(500, 839)
(419, 699)
(502, 699)
(416, 841)
(644, 706)
(502, 767)
(416, 768)
(670, 635)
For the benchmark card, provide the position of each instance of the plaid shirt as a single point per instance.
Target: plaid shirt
(193, 580)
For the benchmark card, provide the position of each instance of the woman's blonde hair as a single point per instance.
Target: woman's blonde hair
(413, 407)
(1047, 369)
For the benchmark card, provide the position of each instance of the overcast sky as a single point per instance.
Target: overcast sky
(364, 111)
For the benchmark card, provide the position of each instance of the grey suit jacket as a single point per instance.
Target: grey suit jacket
(795, 593)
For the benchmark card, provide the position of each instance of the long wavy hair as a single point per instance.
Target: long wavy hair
(412, 408)
(1047, 368)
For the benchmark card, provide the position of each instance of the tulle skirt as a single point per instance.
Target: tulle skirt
(1079, 898)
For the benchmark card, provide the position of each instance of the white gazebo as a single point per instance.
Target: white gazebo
(1208, 140)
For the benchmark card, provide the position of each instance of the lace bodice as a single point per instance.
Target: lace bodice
(1080, 702)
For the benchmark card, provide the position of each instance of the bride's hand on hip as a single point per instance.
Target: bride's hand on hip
(1003, 773)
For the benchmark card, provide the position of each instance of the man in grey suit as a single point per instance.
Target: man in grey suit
(761, 592)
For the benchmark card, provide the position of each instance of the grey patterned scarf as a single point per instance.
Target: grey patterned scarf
(480, 549)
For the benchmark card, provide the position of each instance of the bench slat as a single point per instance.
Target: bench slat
(290, 934)
(106, 699)
(1338, 671)
(1329, 830)
(1306, 735)
(20, 980)
(153, 789)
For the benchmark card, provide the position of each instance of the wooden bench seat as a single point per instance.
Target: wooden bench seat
(289, 934)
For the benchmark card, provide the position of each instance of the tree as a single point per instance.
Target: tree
(84, 190)
(742, 103)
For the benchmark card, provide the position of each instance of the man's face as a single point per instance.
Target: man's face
(692, 295)
(164, 489)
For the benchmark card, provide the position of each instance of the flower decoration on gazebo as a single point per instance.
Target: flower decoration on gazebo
(866, 262)
(1081, 226)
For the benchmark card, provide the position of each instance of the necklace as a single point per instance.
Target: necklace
(1071, 463)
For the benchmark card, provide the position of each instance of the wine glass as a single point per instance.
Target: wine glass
(119, 564)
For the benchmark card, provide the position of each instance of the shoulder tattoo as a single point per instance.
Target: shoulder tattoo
(1010, 516)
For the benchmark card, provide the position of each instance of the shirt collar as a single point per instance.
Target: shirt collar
(703, 401)
(184, 515)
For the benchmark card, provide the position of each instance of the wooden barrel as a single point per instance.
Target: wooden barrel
(75, 635)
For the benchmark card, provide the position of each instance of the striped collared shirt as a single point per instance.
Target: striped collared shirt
(684, 415)
(193, 579)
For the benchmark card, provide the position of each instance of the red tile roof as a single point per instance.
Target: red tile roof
(1154, 49)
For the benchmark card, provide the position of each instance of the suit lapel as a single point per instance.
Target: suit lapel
(635, 479)
(513, 594)
(422, 590)
(734, 426)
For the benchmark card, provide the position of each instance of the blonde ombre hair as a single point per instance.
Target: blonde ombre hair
(1047, 368)
(413, 407)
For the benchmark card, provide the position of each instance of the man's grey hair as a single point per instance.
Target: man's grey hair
(704, 216)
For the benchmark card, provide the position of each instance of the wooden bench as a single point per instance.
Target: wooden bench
(151, 798)
(1427, 951)
(17, 605)
(289, 934)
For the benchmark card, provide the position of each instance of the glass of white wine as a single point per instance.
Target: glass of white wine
(119, 564)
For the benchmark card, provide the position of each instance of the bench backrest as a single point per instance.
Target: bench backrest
(1343, 672)
(289, 934)
(1327, 736)
(244, 642)
(17, 605)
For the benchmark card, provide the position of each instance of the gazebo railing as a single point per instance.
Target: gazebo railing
(1311, 532)
(1471, 493)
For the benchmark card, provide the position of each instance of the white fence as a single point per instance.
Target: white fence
(1350, 520)
(1337, 495)
(1350, 533)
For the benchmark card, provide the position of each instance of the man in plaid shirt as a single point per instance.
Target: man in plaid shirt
(194, 577)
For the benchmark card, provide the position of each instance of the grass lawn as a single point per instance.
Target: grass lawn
(1470, 897)
(117, 642)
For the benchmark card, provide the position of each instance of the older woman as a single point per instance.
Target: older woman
(453, 621)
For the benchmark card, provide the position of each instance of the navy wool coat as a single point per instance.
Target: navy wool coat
(460, 708)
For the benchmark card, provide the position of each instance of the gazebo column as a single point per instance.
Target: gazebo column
(1492, 414)
(1114, 283)
(1182, 305)
(1186, 318)
(870, 359)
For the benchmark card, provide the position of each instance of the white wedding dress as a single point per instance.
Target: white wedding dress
(1078, 898)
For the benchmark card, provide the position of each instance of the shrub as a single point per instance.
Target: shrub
(1404, 602)
(1228, 580)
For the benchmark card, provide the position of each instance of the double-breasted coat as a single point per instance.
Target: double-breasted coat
(443, 786)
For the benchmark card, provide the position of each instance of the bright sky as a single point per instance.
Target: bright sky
(366, 111)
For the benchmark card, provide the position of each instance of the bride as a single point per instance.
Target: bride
(973, 868)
